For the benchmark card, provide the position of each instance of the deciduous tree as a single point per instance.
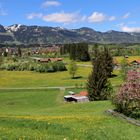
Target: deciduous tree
(72, 68)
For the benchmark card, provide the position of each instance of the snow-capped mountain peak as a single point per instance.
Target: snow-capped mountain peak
(14, 27)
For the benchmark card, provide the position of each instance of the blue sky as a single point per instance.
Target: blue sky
(101, 15)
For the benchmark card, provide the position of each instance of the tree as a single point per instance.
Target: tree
(127, 100)
(108, 61)
(78, 51)
(72, 68)
(1, 60)
(19, 51)
(73, 51)
(124, 69)
(5, 54)
(98, 85)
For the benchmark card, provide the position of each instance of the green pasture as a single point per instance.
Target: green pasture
(34, 79)
(42, 115)
(24, 79)
(130, 58)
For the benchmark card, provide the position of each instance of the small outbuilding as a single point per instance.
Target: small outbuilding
(81, 97)
(46, 60)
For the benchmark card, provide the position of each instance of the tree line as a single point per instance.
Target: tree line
(76, 51)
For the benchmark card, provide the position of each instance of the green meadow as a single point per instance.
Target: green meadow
(25, 79)
(34, 79)
(42, 114)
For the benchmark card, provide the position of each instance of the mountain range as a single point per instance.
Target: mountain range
(22, 34)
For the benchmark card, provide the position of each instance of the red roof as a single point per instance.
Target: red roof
(82, 93)
(56, 59)
(134, 61)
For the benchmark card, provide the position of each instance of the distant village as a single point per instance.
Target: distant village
(29, 50)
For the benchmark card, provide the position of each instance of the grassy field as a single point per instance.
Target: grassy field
(18, 79)
(42, 114)
(130, 58)
(35, 79)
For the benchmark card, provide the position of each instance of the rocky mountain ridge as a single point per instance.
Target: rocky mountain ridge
(22, 34)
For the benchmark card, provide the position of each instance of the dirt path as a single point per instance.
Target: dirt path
(24, 88)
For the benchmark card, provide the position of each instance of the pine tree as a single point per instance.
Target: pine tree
(61, 50)
(19, 51)
(1, 60)
(98, 86)
(84, 52)
(108, 61)
(79, 52)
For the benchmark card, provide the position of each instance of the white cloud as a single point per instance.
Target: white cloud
(130, 29)
(112, 18)
(97, 17)
(126, 15)
(34, 15)
(66, 18)
(100, 17)
(63, 17)
(51, 3)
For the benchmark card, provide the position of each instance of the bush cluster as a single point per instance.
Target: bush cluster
(30, 66)
(127, 101)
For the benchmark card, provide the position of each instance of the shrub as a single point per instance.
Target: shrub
(15, 66)
(12, 66)
(127, 101)
(30, 66)
(40, 68)
(23, 66)
(60, 66)
(50, 67)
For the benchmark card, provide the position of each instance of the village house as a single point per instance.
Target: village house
(135, 63)
(46, 60)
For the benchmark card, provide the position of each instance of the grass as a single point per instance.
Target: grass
(24, 101)
(130, 58)
(42, 114)
(34, 79)
(16, 79)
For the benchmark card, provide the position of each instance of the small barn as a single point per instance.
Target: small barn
(55, 59)
(81, 97)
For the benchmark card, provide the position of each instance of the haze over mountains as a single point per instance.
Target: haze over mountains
(22, 34)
